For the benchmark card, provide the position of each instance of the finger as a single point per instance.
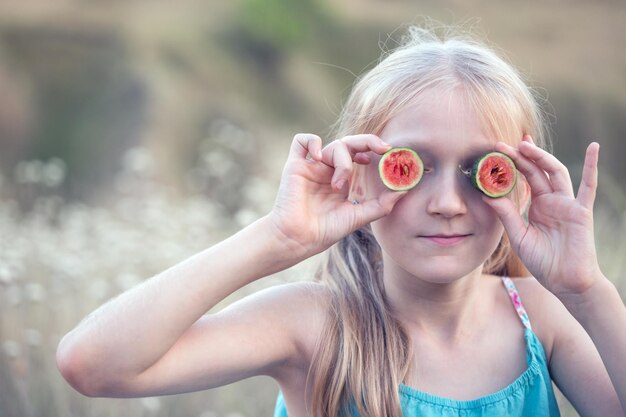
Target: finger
(337, 156)
(375, 208)
(537, 178)
(357, 146)
(559, 175)
(365, 143)
(362, 158)
(341, 153)
(589, 182)
(509, 216)
(304, 144)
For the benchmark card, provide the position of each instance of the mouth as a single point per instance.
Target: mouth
(446, 240)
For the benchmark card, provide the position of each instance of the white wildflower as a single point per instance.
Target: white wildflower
(7, 275)
(99, 289)
(152, 404)
(139, 160)
(33, 337)
(127, 280)
(11, 348)
(218, 163)
(53, 172)
(245, 216)
(35, 292)
(227, 134)
(29, 172)
(259, 192)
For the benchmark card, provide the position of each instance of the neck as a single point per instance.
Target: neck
(442, 310)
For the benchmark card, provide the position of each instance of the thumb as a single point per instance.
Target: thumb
(374, 209)
(509, 216)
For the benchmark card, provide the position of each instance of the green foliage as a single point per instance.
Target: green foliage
(267, 30)
(227, 84)
(277, 22)
(89, 103)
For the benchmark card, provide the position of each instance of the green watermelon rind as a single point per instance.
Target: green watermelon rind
(476, 169)
(387, 183)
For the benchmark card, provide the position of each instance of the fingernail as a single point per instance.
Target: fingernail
(339, 184)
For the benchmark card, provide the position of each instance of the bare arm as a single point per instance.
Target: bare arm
(575, 364)
(558, 248)
(602, 314)
(124, 338)
(152, 339)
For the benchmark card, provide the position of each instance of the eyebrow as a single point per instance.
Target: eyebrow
(426, 150)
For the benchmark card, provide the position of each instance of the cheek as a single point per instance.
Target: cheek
(490, 222)
(402, 223)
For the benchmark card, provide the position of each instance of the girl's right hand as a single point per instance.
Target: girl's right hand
(312, 209)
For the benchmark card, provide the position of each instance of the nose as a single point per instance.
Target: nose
(446, 195)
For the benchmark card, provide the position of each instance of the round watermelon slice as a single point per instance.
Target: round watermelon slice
(400, 169)
(494, 174)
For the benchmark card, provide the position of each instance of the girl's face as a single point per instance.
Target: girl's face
(441, 230)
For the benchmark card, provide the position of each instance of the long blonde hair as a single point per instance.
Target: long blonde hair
(364, 354)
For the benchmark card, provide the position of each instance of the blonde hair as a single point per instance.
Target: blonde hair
(364, 354)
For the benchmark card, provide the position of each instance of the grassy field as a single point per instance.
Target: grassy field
(62, 260)
(134, 134)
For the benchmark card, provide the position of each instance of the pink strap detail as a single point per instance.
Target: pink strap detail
(517, 301)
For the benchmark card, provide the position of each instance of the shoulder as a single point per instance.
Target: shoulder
(548, 316)
(285, 295)
(571, 353)
(300, 299)
(298, 310)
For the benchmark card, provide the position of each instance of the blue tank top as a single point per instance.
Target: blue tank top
(530, 395)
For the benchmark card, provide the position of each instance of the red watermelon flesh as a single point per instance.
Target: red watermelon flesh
(400, 169)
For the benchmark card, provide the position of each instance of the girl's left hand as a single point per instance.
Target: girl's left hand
(557, 245)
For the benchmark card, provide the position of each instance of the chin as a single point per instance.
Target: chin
(445, 274)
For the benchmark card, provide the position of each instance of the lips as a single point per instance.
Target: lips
(446, 240)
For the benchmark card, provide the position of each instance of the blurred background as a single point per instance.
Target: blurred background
(136, 133)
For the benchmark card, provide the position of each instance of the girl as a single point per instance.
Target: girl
(413, 312)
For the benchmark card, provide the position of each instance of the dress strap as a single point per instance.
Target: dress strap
(517, 301)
